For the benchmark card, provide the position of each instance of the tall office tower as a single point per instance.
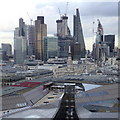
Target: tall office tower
(8, 48)
(110, 41)
(40, 33)
(30, 34)
(20, 49)
(20, 43)
(78, 33)
(62, 27)
(59, 27)
(50, 47)
(97, 50)
(64, 36)
(100, 48)
(99, 34)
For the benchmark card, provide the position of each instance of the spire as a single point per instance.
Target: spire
(69, 60)
(69, 54)
(69, 49)
(77, 12)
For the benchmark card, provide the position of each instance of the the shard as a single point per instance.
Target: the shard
(78, 34)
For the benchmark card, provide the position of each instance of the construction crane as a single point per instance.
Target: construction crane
(30, 18)
(66, 8)
(59, 13)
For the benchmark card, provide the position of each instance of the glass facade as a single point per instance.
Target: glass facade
(64, 43)
(19, 49)
(8, 48)
(78, 34)
(50, 47)
(20, 42)
(40, 33)
(110, 41)
(30, 34)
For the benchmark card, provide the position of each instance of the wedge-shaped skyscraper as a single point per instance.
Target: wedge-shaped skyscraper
(78, 35)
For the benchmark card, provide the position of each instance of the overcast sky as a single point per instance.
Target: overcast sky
(105, 10)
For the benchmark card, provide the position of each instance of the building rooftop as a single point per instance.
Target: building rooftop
(95, 103)
(46, 107)
(11, 90)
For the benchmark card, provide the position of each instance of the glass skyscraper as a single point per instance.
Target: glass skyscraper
(30, 30)
(78, 34)
(50, 47)
(40, 33)
(20, 43)
(20, 49)
(110, 41)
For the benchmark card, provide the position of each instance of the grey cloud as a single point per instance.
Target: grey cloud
(101, 9)
(96, 8)
(86, 8)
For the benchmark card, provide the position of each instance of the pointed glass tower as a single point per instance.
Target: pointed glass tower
(99, 35)
(78, 33)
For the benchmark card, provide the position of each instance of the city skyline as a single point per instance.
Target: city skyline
(60, 59)
(88, 14)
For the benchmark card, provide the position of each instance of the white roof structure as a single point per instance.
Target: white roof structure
(34, 113)
(98, 102)
(44, 108)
